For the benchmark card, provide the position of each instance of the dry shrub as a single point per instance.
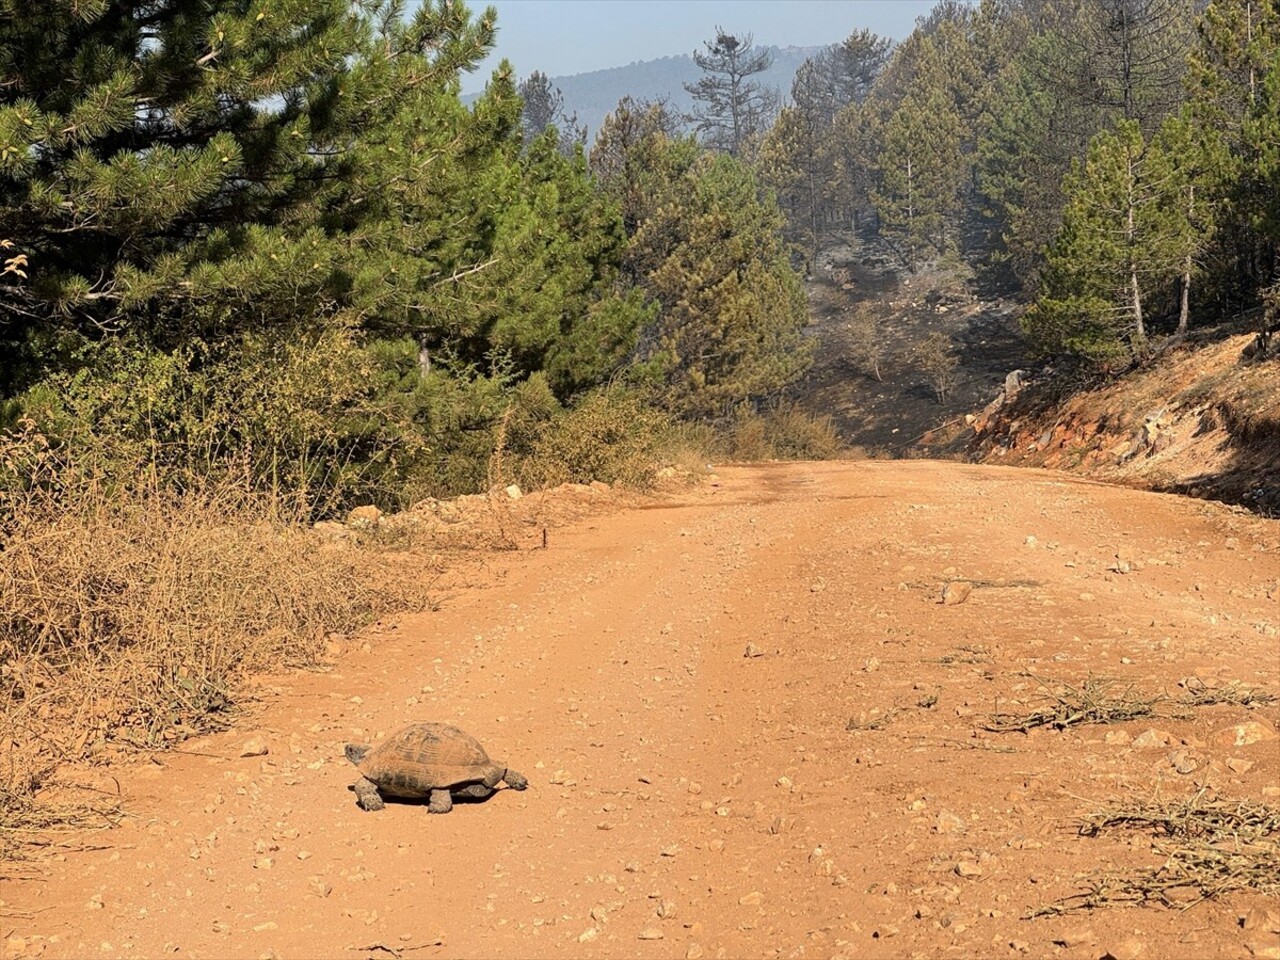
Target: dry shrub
(130, 618)
(937, 360)
(785, 432)
(611, 435)
(1096, 701)
(1211, 847)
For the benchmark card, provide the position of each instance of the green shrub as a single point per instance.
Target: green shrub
(295, 413)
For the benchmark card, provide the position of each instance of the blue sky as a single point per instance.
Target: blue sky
(561, 37)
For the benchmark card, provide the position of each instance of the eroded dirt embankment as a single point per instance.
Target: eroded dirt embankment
(835, 796)
(1202, 420)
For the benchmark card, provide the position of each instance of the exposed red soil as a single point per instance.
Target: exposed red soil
(720, 804)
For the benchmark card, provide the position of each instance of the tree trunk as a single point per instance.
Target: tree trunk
(1184, 312)
(911, 219)
(1135, 291)
(814, 191)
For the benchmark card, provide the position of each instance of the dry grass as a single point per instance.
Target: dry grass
(130, 619)
(1211, 847)
(785, 432)
(1094, 701)
(876, 722)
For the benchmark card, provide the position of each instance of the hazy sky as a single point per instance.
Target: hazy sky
(561, 37)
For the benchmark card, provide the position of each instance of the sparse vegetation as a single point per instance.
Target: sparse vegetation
(1212, 847)
(131, 618)
(866, 344)
(1097, 700)
(936, 357)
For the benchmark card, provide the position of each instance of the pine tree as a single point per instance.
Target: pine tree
(732, 309)
(543, 107)
(734, 109)
(791, 163)
(556, 305)
(1025, 150)
(1125, 59)
(798, 156)
(854, 148)
(1230, 101)
(1125, 228)
(920, 177)
(631, 155)
(1192, 194)
(856, 65)
(177, 169)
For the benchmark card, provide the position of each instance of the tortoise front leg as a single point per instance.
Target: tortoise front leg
(477, 791)
(440, 801)
(367, 796)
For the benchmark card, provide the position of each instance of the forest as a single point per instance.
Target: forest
(266, 242)
(1113, 162)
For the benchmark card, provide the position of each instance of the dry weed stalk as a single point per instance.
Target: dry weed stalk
(499, 502)
(1067, 706)
(1196, 816)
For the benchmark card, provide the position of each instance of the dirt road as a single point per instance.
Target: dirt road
(687, 800)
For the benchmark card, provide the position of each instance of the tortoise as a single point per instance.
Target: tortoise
(433, 760)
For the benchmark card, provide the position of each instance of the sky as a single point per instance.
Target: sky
(563, 37)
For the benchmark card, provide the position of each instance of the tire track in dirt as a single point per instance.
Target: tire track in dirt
(721, 802)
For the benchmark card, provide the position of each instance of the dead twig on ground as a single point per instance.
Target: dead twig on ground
(1093, 702)
(1200, 694)
(376, 948)
(1214, 847)
(874, 723)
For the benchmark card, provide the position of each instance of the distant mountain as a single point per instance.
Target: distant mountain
(594, 95)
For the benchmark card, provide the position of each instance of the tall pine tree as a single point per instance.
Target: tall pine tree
(181, 169)
(734, 109)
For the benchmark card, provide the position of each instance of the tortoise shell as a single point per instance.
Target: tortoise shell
(428, 756)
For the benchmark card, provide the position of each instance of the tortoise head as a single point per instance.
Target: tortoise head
(355, 751)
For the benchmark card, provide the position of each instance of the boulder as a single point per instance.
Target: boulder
(362, 518)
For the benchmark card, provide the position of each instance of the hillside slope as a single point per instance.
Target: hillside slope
(1203, 419)
(886, 417)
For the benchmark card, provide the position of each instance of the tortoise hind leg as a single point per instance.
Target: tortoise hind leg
(516, 781)
(440, 801)
(367, 796)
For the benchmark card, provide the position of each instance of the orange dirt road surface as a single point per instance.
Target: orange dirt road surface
(831, 795)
